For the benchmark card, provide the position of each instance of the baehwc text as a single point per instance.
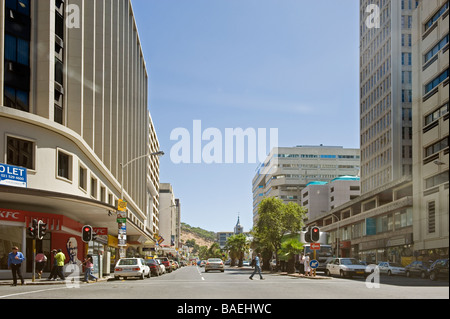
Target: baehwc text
(225, 309)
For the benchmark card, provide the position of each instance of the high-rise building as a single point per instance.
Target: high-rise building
(287, 170)
(386, 92)
(74, 114)
(431, 127)
(169, 216)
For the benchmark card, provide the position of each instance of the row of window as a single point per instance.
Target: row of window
(436, 16)
(20, 153)
(436, 81)
(439, 46)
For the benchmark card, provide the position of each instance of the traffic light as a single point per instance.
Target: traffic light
(315, 234)
(307, 236)
(87, 233)
(32, 230)
(41, 230)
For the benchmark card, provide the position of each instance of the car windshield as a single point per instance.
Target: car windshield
(128, 262)
(349, 261)
(214, 260)
(395, 265)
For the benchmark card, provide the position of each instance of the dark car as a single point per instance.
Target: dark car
(417, 268)
(439, 269)
(154, 266)
(166, 262)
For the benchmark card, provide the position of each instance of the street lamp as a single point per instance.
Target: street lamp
(337, 234)
(160, 153)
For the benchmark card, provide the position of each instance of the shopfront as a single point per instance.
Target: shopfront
(62, 233)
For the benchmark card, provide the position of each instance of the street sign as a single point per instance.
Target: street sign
(122, 206)
(315, 246)
(13, 176)
(314, 264)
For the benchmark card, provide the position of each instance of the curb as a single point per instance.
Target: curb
(45, 282)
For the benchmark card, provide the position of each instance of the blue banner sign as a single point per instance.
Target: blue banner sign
(13, 176)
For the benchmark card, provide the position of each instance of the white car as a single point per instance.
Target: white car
(345, 267)
(131, 267)
(391, 268)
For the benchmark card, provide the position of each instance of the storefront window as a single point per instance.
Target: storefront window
(9, 236)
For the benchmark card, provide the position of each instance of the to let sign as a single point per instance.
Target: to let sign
(13, 176)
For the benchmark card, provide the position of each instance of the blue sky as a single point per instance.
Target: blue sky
(286, 64)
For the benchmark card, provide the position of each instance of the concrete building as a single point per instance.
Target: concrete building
(287, 170)
(386, 93)
(169, 216)
(398, 217)
(320, 197)
(74, 114)
(431, 127)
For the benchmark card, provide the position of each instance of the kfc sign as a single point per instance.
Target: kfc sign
(9, 215)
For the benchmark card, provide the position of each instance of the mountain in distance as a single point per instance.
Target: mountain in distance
(201, 236)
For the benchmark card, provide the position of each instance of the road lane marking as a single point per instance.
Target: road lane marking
(31, 292)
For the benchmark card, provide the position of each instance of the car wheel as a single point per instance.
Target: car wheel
(408, 274)
(423, 275)
(149, 275)
(142, 276)
(327, 273)
(116, 277)
(342, 274)
(389, 273)
(433, 276)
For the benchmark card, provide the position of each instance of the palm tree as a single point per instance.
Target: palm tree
(289, 249)
(237, 245)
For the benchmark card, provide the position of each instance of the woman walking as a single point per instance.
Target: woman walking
(89, 265)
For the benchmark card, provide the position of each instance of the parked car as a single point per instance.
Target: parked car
(390, 268)
(439, 269)
(166, 262)
(345, 267)
(163, 268)
(246, 263)
(214, 264)
(155, 268)
(131, 267)
(417, 268)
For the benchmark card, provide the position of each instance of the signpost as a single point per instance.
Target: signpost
(315, 246)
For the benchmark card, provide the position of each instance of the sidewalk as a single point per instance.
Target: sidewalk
(46, 282)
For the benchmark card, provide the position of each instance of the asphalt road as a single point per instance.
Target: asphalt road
(192, 283)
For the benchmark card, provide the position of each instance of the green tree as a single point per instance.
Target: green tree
(275, 220)
(290, 248)
(237, 246)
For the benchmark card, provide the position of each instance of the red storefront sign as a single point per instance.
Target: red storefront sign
(100, 231)
(54, 222)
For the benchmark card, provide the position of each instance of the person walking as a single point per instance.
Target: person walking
(54, 270)
(60, 258)
(15, 260)
(41, 261)
(257, 267)
(307, 265)
(89, 265)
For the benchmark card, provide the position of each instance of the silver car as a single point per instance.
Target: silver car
(391, 268)
(214, 264)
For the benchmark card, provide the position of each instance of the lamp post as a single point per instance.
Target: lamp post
(337, 238)
(160, 153)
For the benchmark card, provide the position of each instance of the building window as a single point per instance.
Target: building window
(436, 81)
(20, 153)
(431, 207)
(436, 180)
(64, 165)
(83, 178)
(94, 187)
(16, 99)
